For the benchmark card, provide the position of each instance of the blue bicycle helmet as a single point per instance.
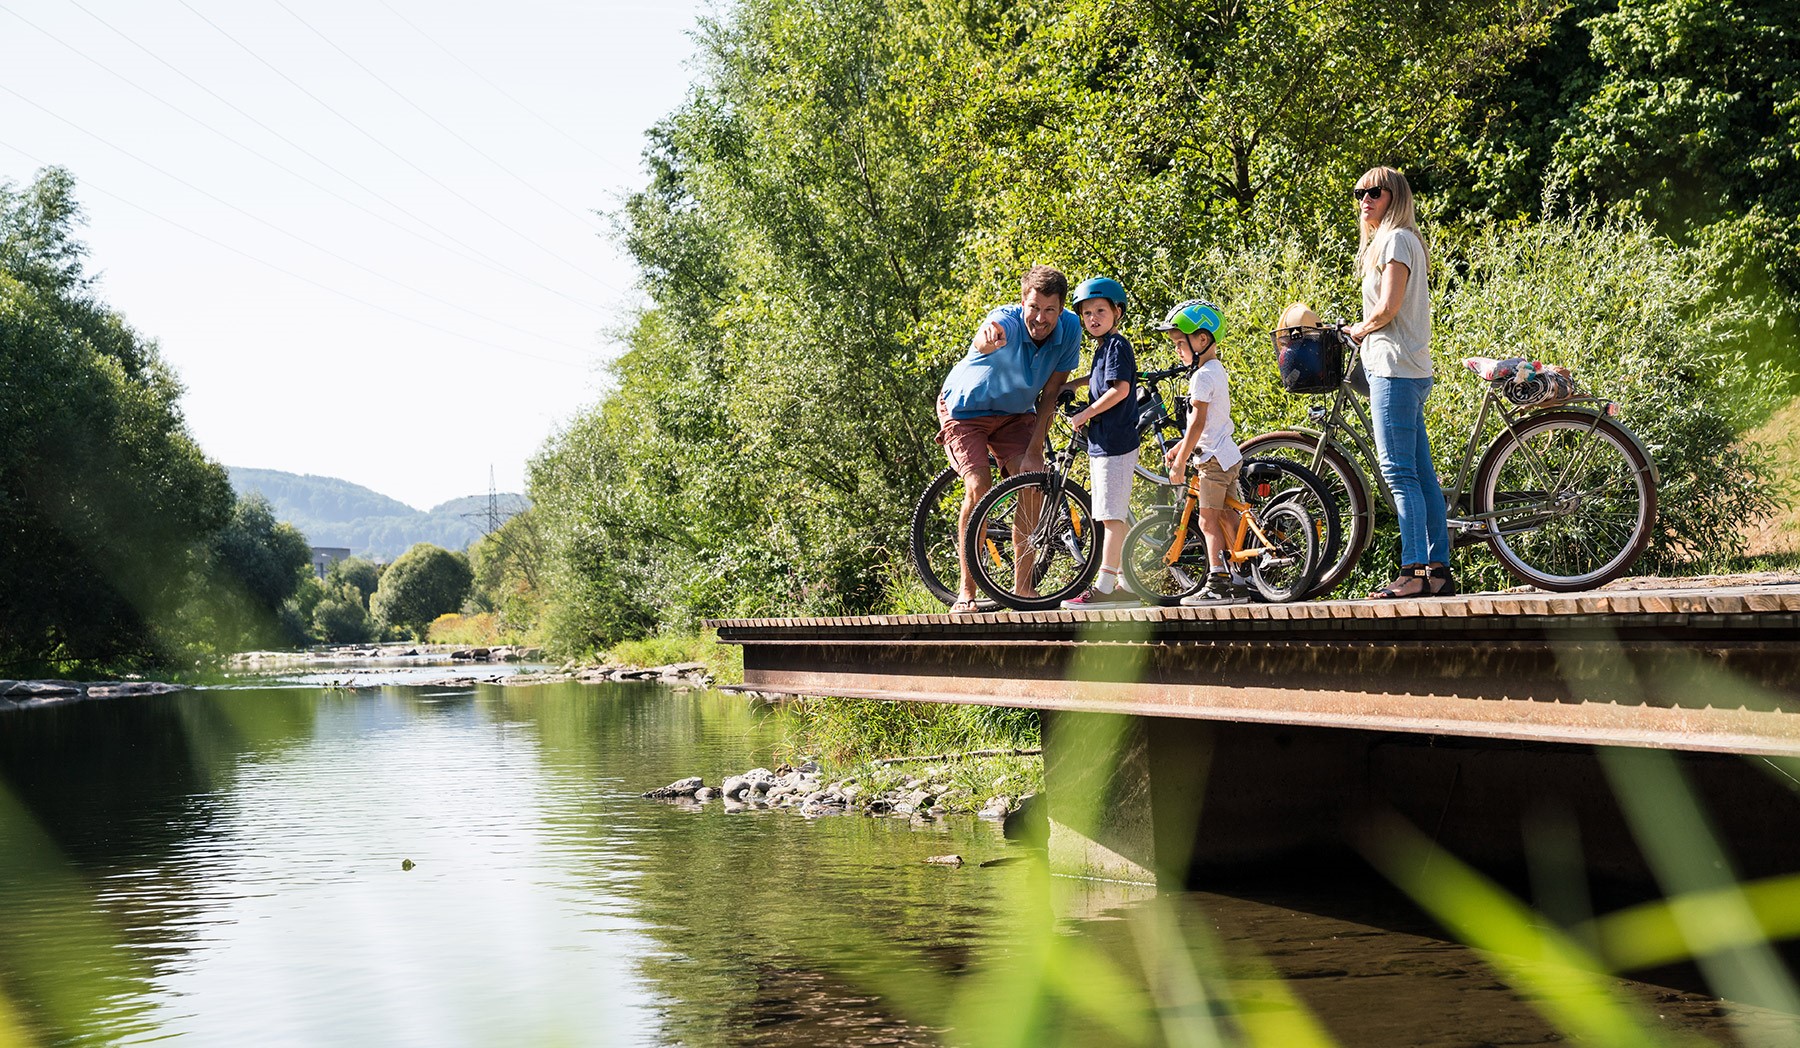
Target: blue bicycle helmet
(1098, 287)
(1196, 314)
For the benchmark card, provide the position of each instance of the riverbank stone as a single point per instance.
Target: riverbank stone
(35, 694)
(20, 690)
(125, 689)
(805, 791)
(679, 788)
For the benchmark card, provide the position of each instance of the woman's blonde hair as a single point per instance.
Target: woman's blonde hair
(1399, 215)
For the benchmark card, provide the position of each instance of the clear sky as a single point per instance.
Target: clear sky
(362, 231)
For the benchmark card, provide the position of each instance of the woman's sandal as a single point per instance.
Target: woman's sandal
(1409, 573)
(1443, 584)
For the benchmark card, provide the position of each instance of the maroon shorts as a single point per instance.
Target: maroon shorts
(969, 441)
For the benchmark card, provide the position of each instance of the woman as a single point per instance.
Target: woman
(1395, 333)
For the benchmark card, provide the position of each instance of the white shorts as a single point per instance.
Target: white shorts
(1112, 484)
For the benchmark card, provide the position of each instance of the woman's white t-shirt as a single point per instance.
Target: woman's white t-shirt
(1209, 385)
(1402, 349)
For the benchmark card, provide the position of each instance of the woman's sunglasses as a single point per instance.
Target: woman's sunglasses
(1373, 193)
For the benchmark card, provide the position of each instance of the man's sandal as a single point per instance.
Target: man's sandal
(965, 606)
(1409, 573)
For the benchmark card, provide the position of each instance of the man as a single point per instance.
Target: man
(1000, 399)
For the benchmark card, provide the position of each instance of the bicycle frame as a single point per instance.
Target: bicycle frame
(1057, 463)
(1247, 523)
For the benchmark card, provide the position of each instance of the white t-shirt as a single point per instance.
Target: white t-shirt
(1402, 349)
(1209, 385)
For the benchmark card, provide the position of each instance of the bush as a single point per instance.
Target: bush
(1637, 317)
(341, 619)
(481, 630)
(425, 582)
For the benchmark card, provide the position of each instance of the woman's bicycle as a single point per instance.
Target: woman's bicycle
(1161, 417)
(1276, 543)
(1563, 493)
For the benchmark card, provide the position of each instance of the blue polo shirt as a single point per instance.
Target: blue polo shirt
(1008, 380)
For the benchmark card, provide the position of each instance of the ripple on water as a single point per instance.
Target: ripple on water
(226, 866)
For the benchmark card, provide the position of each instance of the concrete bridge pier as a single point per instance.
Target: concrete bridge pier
(1169, 801)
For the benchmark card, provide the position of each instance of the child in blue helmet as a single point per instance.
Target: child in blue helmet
(1194, 326)
(1112, 432)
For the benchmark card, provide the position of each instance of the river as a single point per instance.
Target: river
(295, 863)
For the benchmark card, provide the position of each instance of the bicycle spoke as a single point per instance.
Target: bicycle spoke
(1041, 542)
(1568, 503)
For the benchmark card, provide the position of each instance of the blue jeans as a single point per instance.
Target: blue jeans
(1405, 452)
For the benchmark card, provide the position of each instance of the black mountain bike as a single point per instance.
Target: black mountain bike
(1162, 415)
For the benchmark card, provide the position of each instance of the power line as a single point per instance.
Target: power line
(477, 150)
(297, 276)
(502, 92)
(391, 150)
(294, 236)
(475, 253)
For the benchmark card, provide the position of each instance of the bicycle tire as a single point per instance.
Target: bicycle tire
(1354, 509)
(1295, 483)
(1303, 488)
(1604, 501)
(1064, 540)
(933, 543)
(1287, 574)
(1148, 573)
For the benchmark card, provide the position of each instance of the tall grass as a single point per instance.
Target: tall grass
(724, 661)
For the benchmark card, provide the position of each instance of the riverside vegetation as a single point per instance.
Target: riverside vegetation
(1608, 184)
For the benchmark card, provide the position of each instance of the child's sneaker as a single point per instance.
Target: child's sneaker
(1219, 590)
(1093, 598)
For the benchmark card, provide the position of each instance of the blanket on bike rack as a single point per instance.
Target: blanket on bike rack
(1525, 382)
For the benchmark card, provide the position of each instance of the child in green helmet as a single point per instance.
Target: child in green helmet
(1112, 434)
(1194, 326)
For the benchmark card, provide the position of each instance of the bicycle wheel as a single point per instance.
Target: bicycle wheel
(1268, 481)
(1285, 572)
(1354, 509)
(1147, 568)
(1569, 500)
(1043, 520)
(934, 520)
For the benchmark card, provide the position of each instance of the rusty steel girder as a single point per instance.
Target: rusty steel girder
(1724, 680)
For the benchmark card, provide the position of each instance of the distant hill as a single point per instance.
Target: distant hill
(333, 512)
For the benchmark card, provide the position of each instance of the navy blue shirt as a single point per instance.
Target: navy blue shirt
(1113, 431)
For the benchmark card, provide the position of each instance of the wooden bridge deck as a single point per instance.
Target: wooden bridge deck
(1652, 663)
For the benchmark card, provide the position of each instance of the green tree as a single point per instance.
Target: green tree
(362, 575)
(850, 186)
(424, 582)
(107, 506)
(340, 617)
(258, 565)
(1683, 111)
(506, 565)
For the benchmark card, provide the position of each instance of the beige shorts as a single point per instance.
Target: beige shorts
(1214, 484)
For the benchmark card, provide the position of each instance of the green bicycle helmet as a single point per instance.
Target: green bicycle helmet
(1196, 314)
(1098, 287)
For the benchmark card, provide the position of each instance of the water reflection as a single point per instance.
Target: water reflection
(227, 865)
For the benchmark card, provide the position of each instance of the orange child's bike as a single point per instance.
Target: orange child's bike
(1277, 543)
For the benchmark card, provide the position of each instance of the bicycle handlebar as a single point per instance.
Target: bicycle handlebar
(1167, 373)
